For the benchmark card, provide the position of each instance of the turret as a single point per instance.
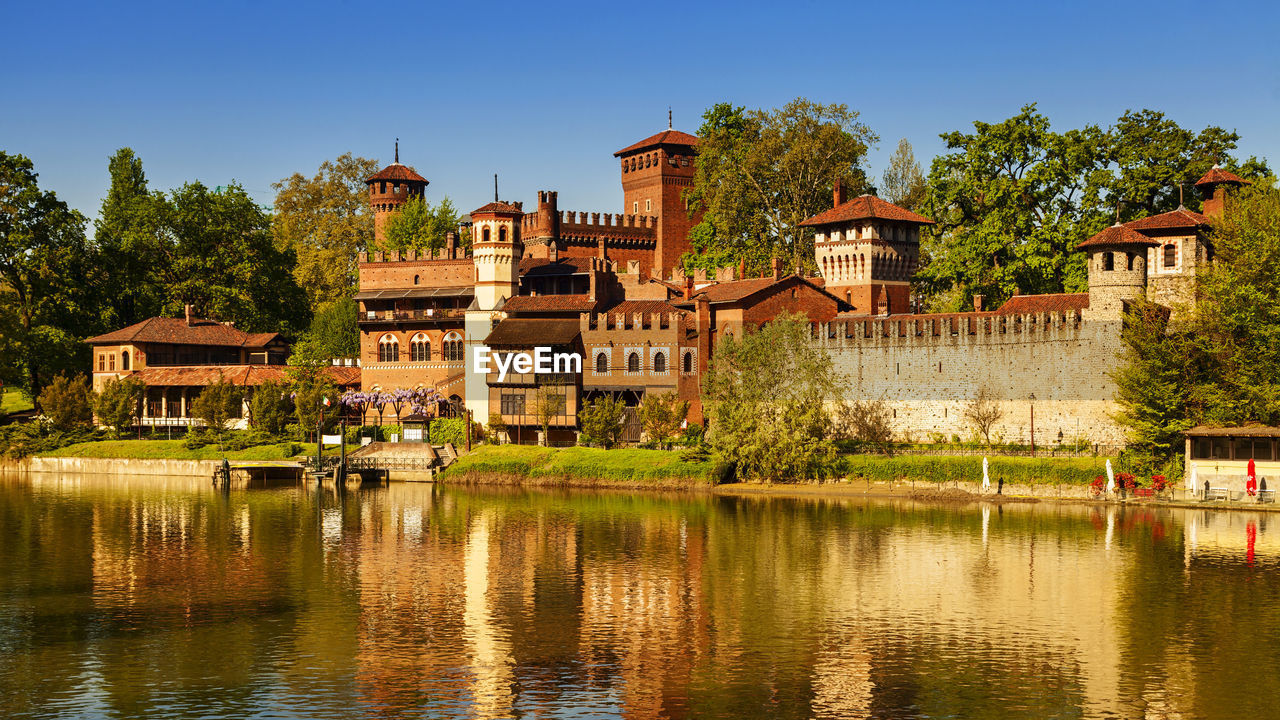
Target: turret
(496, 250)
(389, 188)
(1214, 186)
(1117, 269)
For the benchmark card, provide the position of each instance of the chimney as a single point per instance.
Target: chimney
(837, 194)
(777, 268)
(688, 287)
(451, 245)
(188, 309)
(977, 303)
(602, 251)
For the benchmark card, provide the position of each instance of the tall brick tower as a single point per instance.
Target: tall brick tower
(655, 173)
(389, 188)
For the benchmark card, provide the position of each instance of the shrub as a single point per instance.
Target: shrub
(269, 408)
(867, 424)
(66, 403)
(218, 405)
(602, 421)
(661, 415)
(118, 404)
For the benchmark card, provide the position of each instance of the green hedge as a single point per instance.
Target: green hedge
(587, 464)
(948, 468)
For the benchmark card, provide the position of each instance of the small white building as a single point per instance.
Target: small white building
(1220, 456)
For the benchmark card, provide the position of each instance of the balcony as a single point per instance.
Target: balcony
(386, 316)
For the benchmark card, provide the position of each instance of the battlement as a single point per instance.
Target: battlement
(584, 223)
(970, 327)
(629, 321)
(443, 255)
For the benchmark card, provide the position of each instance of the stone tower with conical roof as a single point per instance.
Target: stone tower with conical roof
(390, 188)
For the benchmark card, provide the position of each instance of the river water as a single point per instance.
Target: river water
(168, 599)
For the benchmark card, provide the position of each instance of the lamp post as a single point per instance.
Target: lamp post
(1032, 398)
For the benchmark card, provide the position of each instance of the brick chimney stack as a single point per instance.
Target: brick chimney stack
(837, 194)
(777, 268)
(451, 245)
(688, 287)
(977, 303)
(188, 311)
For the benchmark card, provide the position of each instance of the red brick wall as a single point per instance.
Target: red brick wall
(431, 273)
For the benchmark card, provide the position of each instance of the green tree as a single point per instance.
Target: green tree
(325, 221)
(497, 426)
(548, 404)
(1152, 382)
(1008, 206)
(218, 405)
(419, 225)
(118, 403)
(50, 275)
(222, 260)
(67, 402)
(767, 396)
(130, 232)
(310, 388)
(269, 407)
(602, 421)
(661, 415)
(760, 173)
(334, 333)
(904, 184)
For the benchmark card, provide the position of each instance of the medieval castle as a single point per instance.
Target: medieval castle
(608, 286)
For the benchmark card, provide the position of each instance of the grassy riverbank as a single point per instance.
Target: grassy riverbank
(170, 450)
(580, 465)
(949, 468)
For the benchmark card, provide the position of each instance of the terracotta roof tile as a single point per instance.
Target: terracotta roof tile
(1180, 218)
(549, 303)
(242, 375)
(1117, 235)
(528, 332)
(499, 208)
(1054, 303)
(176, 331)
(866, 207)
(1218, 175)
(666, 137)
(396, 172)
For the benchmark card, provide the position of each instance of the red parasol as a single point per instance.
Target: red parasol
(1251, 479)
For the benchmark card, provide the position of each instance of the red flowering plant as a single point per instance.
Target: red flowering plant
(1095, 487)
(1126, 480)
(1159, 482)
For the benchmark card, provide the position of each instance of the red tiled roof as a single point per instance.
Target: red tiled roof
(499, 208)
(549, 303)
(1055, 303)
(865, 207)
(1218, 175)
(528, 332)
(396, 172)
(562, 266)
(1117, 235)
(1180, 218)
(176, 331)
(242, 375)
(738, 290)
(666, 137)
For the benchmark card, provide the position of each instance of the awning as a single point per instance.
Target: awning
(398, 294)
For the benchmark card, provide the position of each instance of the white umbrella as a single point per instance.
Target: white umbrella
(1111, 478)
(1191, 479)
(986, 477)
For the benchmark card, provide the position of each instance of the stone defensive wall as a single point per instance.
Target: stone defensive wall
(928, 368)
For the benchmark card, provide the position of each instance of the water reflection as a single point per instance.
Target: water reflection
(127, 599)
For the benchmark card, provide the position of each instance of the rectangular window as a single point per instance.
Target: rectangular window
(1243, 448)
(102, 363)
(1200, 449)
(648, 205)
(111, 362)
(635, 207)
(512, 403)
(1221, 449)
(1262, 449)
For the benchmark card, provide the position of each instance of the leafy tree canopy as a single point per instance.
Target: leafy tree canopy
(418, 225)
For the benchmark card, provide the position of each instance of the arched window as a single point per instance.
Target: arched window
(602, 363)
(452, 347)
(124, 360)
(660, 362)
(420, 348)
(633, 362)
(416, 279)
(388, 348)
(1170, 255)
(688, 361)
(485, 235)
(1108, 261)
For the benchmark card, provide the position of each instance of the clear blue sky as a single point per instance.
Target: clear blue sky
(543, 93)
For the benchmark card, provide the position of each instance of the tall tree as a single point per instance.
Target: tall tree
(419, 225)
(222, 260)
(48, 275)
(1008, 205)
(129, 230)
(760, 173)
(325, 221)
(334, 333)
(904, 184)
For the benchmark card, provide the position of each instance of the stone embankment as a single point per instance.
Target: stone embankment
(121, 467)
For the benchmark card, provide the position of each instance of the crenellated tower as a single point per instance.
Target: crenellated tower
(655, 173)
(389, 188)
(1117, 269)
